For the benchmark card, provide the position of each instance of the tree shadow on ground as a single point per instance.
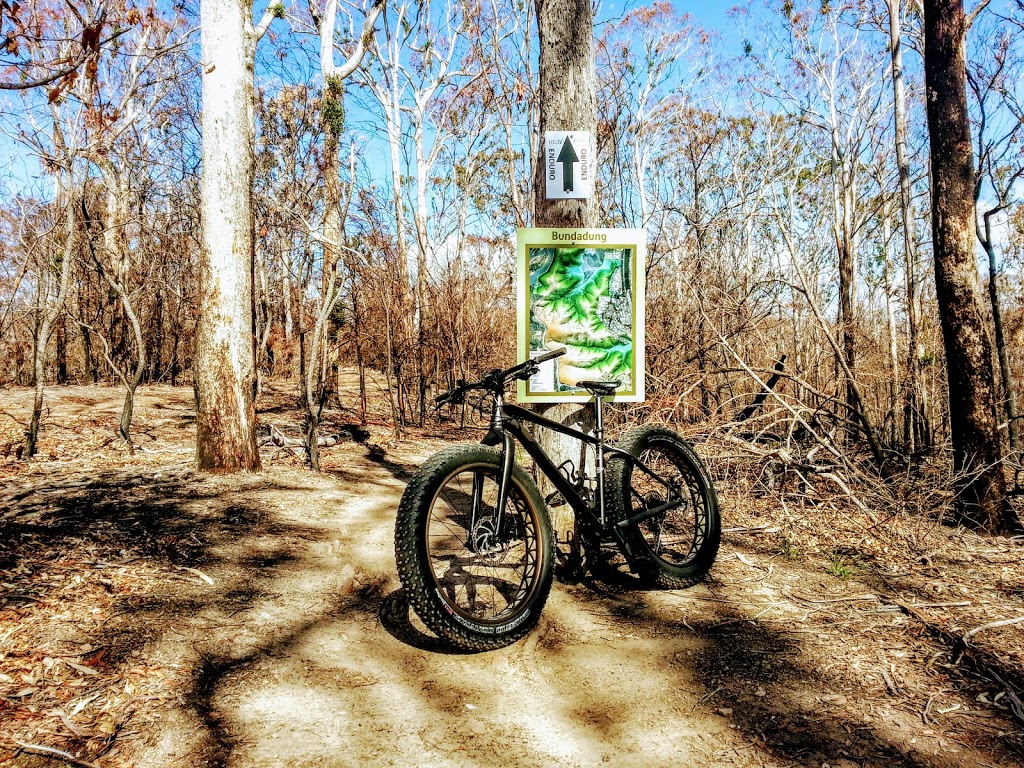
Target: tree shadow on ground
(794, 703)
(108, 521)
(68, 543)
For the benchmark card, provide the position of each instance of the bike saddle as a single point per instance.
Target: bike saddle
(599, 388)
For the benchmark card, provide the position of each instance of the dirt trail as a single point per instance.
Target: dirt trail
(328, 668)
(253, 621)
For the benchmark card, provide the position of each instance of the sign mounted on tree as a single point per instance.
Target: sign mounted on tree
(581, 290)
(568, 165)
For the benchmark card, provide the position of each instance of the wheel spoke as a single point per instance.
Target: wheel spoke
(484, 574)
(673, 537)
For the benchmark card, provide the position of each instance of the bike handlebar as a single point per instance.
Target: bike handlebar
(496, 380)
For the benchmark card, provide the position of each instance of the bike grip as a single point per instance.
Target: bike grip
(549, 356)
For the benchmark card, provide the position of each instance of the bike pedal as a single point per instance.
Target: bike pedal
(555, 499)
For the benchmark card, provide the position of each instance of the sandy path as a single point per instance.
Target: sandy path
(327, 667)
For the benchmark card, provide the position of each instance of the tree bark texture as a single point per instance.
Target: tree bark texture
(1005, 373)
(567, 97)
(980, 484)
(225, 366)
(49, 316)
(568, 102)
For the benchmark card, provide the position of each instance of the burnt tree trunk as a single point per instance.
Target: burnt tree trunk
(980, 484)
(1005, 373)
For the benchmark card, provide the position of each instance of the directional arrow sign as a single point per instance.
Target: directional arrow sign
(568, 164)
(567, 156)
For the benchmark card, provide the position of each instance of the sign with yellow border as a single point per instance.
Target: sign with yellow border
(581, 290)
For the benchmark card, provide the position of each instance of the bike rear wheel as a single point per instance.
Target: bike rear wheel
(477, 579)
(675, 547)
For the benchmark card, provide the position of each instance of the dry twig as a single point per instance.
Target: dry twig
(39, 749)
(991, 625)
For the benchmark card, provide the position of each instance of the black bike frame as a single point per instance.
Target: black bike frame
(507, 429)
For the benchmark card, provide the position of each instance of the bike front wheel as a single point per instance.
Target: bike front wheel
(477, 578)
(676, 546)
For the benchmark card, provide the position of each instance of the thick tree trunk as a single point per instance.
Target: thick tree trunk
(568, 102)
(88, 361)
(980, 484)
(225, 351)
(567, 96)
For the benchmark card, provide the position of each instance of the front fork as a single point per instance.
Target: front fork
(496, 434)
(508, 457)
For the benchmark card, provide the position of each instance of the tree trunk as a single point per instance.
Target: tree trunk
(912, 407)
(843, 178)
(131, 381)
(225, 352)
(91, 371)
(568, 102)
(156, 364)
(890, 329)
(979, 482)
(567, 97)
(49, 317)
(61, 352)
(1009, 392)
(422, 246)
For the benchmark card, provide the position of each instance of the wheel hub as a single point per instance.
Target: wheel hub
(485, 537)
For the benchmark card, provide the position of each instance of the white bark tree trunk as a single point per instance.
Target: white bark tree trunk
(225, 371)
(912, 400)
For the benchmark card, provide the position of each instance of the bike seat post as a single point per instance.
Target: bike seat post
(599, 433)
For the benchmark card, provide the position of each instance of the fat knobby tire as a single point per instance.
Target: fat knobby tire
(701, 495)
(414, 563)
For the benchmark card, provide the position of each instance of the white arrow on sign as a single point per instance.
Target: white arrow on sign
(568, 165)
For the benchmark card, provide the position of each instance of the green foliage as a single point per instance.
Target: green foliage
(787, 548)
(338, 318)
(839, 567)
(334, 107)
(277, 10)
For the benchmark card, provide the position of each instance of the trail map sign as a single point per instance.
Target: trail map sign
(581, 290)
(568, 165)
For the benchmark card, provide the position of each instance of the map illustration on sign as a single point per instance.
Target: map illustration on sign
(581, 290)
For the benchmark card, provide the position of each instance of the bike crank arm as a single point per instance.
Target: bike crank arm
(649, 513)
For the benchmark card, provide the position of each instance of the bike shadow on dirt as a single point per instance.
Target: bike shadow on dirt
(398, 620)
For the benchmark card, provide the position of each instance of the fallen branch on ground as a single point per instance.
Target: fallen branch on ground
(39, 749)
